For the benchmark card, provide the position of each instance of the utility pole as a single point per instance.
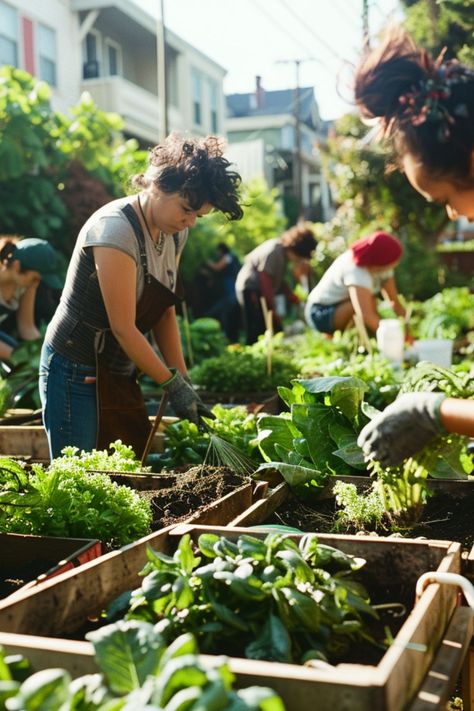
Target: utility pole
(297, 162)
(161, 72)
(365, 24)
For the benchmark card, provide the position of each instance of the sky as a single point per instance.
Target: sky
(266, 37)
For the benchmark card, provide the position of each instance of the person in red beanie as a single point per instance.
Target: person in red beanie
(351, 284)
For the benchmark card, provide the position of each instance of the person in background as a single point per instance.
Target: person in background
(411, 422)
(263, 276)
(121, 285)
(351, 284)
(24, 263)
(226, 309)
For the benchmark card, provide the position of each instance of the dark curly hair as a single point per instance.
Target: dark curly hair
(197, 170)
(300, 239)
(386, 80)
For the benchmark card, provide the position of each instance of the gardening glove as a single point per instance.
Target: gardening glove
(185, 402)
(403, 428)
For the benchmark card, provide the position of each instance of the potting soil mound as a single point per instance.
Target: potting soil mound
(194, 489)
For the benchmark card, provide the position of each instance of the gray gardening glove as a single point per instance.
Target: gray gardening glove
(185, 402)
(403, 428)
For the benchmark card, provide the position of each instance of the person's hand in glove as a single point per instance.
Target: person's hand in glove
(403, 428)
(185, 402)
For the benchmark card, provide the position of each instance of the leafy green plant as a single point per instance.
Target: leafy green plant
(5, 395)
(205, 337)
(318, 437)
(448, 314)
(121, 459)
(383, 381)
(185, 443)
(138, 670)
(65, 500)
(23, 374)
(361, 512)
(240, 370)
(271, 598)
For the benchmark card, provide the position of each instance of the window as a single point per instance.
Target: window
(214, 106)
(172, 57)
(113, 58)
(8, 35)
(197, 97)
(47, 54)
(90, 47)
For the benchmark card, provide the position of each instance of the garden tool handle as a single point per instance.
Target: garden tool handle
(156, 424)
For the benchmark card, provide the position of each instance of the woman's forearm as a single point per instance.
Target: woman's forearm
(168, 340)
(141, 353)
(457, 416)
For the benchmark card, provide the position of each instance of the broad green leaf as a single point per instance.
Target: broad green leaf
(296, 475)
(128, 652)
(274, 430)
(46, 690)
(272, 643)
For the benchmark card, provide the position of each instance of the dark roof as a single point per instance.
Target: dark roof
(273, 103)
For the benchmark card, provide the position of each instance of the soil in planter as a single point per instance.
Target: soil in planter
(444, 518)
(193, 490)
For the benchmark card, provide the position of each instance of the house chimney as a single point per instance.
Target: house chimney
(259, 92)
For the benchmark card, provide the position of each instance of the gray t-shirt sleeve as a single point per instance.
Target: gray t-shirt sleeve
(113, 231)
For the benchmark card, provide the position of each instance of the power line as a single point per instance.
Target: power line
(311, 31)
(283, 29)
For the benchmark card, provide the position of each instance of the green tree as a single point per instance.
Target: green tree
(262, 220)
(55, 170)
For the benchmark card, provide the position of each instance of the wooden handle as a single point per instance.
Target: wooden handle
(156, 424)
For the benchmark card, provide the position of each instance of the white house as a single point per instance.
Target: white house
(110, 48)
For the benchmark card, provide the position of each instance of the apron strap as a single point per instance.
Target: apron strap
(132, 217)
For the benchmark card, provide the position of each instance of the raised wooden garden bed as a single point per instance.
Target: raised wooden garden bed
(61, 606)
(29, 560)
(30, 441)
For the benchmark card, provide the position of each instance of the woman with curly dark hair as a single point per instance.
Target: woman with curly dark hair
(425, 107)
(121, 283)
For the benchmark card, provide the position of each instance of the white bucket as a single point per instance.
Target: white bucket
(437, 350)
(390, 339)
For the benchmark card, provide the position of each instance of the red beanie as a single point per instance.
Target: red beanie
(376, 250)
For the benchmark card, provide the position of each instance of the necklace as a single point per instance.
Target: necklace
(160, 242)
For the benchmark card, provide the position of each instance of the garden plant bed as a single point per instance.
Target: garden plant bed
(29, 560)
(59, 607)
(187, 495)
(447, 514)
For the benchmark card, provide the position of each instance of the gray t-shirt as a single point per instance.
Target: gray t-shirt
(81, 311)
(268, 257)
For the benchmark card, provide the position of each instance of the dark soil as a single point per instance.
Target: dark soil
(193, 490)
(444, 517)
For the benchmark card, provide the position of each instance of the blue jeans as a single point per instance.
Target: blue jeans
(69, 401)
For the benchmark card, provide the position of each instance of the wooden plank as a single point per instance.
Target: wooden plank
(467, 678)
(261, 510)
(440, 681)
(66, 602)
(47, 653)
(31, 440)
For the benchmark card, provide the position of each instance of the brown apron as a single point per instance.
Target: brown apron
(120, 405)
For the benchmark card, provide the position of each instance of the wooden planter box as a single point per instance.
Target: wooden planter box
(60, 606)
(19, 551)
(30, 441)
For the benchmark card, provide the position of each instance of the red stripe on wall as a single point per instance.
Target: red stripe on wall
(28, 47)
